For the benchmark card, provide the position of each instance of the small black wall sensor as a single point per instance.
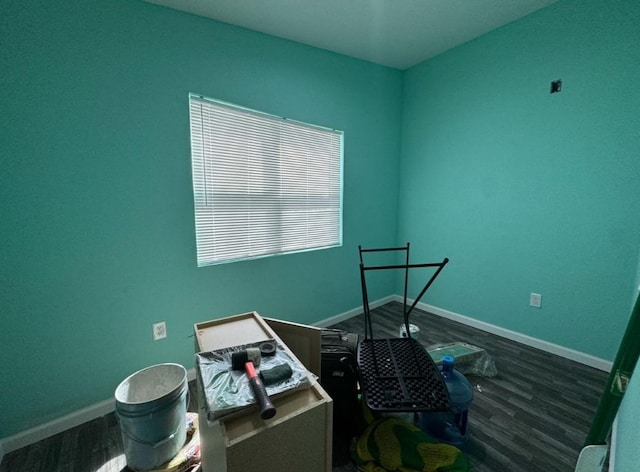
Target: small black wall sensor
(556, 86)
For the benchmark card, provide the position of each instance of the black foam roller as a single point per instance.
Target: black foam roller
(276, 374)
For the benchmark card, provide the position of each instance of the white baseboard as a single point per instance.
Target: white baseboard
(351, 313)
(547, 346)
(73, 419)
(43, 431)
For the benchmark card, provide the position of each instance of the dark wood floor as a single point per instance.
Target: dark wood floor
(532, 416)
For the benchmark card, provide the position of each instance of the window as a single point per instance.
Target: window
(263, 185)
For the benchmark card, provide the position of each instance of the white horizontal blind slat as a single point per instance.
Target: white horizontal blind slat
(263, 185)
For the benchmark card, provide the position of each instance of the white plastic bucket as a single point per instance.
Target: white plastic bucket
(413, 330)
(151, 407)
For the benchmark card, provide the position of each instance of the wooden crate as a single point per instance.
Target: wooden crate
(299, 436)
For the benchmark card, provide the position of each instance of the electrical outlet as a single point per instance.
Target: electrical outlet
(159, 330)
(535, 300)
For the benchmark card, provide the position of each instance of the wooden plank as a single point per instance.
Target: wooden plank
(305, 341)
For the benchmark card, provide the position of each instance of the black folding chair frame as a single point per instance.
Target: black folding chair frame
(397, 374)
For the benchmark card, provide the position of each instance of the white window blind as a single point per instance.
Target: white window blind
(263, 185)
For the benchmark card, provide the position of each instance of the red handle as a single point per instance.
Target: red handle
(250, 369)
(267, 410)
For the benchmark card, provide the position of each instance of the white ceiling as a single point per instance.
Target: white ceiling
(395, 33)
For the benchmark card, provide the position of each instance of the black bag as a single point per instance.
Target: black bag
(339, 377)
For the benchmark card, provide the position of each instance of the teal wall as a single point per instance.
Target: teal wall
(523, 190)
(96, 204)
(526, 191)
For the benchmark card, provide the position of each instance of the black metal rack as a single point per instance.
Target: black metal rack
(397, 374)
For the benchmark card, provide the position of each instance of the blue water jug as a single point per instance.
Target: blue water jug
(451, 426)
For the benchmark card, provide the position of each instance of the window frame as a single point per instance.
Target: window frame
(270, 192)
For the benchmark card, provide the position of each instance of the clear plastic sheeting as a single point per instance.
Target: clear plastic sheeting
(469, 360)
(228, 390)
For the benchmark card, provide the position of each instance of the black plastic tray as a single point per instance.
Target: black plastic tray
(398, 375)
